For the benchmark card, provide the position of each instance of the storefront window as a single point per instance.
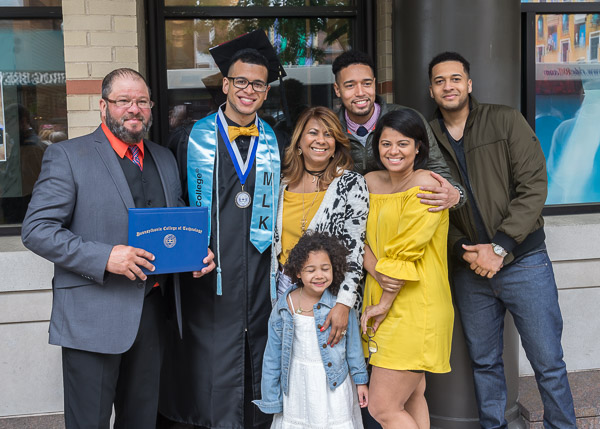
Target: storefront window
(29, 3)
(306, 48)
(250, 3)
(558, 1)
(33, 111)
(567, 100)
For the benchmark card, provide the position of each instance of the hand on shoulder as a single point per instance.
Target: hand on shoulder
(424, 178)
(436, 191)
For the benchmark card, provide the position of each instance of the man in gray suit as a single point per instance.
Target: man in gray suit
(107, 315)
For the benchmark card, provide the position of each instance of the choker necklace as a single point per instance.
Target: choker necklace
(316, 174)
(299, 310)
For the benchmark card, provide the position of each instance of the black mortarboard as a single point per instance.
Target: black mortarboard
(256, 39)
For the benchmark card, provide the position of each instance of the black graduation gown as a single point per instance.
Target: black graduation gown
(203, 374)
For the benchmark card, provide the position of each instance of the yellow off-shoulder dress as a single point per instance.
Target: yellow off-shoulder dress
(410, 243)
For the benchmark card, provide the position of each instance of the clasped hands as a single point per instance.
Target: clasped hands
(483, 260)
(128, 261)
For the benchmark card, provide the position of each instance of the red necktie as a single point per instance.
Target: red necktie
(135, 155)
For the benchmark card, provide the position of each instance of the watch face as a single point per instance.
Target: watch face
(499, 250)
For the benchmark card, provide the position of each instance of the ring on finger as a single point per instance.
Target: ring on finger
(343, 332)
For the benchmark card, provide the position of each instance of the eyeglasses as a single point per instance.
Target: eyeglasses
(242, 83)
(372, 345)
(124, 103)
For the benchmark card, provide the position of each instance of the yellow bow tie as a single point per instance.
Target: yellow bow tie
(235, 132)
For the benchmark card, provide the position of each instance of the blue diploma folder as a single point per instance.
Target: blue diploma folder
(177, 236)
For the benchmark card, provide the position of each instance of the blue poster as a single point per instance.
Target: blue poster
(2, 126)
(573, 157)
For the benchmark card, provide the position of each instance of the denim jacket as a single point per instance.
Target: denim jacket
(345, 357)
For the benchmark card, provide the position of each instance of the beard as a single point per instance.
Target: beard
(117, 127)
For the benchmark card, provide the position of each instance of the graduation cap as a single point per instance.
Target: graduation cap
(256, 39)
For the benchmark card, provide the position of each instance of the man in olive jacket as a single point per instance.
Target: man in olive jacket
(361, 109)
(497, 238)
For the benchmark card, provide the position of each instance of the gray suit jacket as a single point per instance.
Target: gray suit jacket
(77, 213)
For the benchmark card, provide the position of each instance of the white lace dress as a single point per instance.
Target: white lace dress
(310, 403)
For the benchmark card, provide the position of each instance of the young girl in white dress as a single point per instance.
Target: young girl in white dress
(306, 382)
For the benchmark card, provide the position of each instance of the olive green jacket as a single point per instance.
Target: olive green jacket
(507, 174)
(364, 161)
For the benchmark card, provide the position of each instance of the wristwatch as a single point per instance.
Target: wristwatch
(499, 250)
(461, 195)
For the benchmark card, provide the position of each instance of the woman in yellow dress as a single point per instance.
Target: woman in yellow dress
(407, 310)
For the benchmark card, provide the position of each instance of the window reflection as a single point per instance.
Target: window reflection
(29, 3)
(557, 1)
(306, 48)
(250, 3)
(568, 105)
(33, 111)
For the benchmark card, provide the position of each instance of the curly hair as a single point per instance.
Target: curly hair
(314, 241)
(293, 163)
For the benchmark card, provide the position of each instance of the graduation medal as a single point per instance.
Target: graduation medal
(243, 199)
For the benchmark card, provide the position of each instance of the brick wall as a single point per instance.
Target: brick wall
(385, 75)
(100, 36)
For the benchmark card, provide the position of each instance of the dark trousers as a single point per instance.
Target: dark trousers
(251, 411)
(93, 382)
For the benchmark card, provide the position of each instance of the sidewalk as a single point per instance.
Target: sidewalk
(585, 386)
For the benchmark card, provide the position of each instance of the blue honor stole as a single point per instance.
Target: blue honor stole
(203, 156)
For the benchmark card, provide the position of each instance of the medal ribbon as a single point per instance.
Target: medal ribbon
(242, 168)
